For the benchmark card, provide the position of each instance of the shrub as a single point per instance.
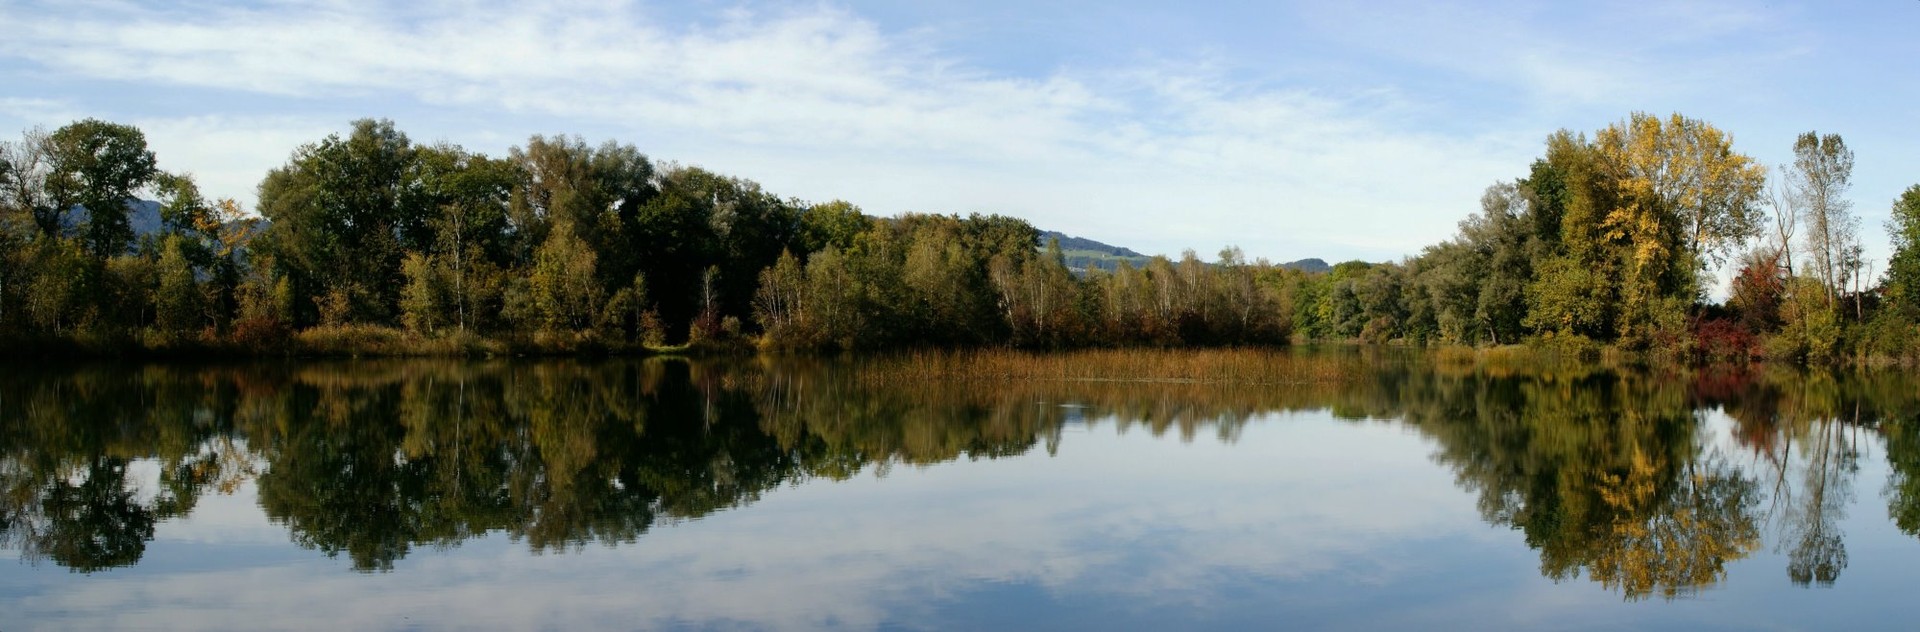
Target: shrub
(1723, 340)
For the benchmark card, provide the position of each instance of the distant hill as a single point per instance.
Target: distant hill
(1308, 265)
(1084, 255)
(1069, 242)
(142, 215)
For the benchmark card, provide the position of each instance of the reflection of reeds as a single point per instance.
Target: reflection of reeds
(1218, 366)
(1517, 361)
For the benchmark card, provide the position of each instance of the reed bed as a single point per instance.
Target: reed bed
(1206, 366)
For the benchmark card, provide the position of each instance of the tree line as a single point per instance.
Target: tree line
(559, 244)
(1609, 240)
(1613, 240)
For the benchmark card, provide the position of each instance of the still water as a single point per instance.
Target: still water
(1377, 492)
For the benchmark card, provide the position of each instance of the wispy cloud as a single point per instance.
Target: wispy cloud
(819, 102)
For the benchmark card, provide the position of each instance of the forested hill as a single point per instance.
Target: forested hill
(1308, 265)
(1069, 242)
(1084, 254)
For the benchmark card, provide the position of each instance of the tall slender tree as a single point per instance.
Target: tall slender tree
(1816, 189)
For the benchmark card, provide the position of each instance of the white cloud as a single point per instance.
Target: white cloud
(820, 103)
(817, 103)
(228, 155)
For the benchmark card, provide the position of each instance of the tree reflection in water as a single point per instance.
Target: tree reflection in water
(1609, 474)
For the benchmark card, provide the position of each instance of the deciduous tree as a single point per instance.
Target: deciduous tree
(98, 166)
(1903, 270)
(1816, 188)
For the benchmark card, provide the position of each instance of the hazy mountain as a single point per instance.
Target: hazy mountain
(1069, 242)
(1086, 254)
(1308, 265)
(143, 215)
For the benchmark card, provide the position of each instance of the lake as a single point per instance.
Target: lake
(1309, 489)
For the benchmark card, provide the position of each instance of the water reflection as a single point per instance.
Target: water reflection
(1610, 475)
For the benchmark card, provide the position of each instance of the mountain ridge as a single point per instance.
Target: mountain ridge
(1083, 255)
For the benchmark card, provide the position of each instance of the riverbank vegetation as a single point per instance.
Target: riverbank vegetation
(370, 243)
(1612, 242)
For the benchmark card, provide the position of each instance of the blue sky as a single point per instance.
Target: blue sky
(1333, 130)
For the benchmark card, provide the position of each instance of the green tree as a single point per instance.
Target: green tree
(342, 213)
(125, 298)
(780, 303)
(604, 195)
(178, 301)
(182, 208)
(60, 281)
(833, 299)
(1450, 276)
(833, 223)
(427, 304)
(565, 290)
(1502, 234)
(628, 312)
(98, 166)
(473, 235)
(1903, 270)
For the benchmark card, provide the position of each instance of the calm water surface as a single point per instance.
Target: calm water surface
(1405, 493)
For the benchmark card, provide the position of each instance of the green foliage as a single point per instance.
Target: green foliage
(1812, 328)
(601, 193)
(833, 314)
(126, 296)
(343, 212)
(563, 244)
(1893, 332)
(427, 302)
(565, 292)
(834, 223)
(780, 303)
(178, 300)
(1903, 270)
(182, 209)
(60, 283)
(1303, 293)
(625, 314)
(98, 166)
(1569, 298)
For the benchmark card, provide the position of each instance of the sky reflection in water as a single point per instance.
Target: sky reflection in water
(802, 497)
